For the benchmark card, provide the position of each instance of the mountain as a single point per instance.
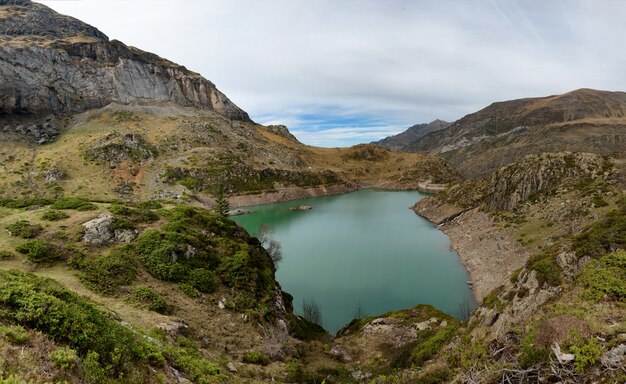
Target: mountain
(401, 140)
(75, 67)
(583, 120)
(114, 121)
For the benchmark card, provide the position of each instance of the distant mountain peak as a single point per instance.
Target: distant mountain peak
(414, 132)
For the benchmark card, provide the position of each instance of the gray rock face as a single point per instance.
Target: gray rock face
(37, 19)
(61, 77)
(517, 182)
(98, 230)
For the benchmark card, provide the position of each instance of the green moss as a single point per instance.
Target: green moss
(6, 255)
(24, 229)
(256, 358)
(38, 251)
(148, 298)
(492, 301)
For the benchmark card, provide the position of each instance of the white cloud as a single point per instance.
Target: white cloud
(403, 62)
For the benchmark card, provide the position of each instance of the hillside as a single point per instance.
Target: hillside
(113, 121)
(400, 141)
(584, 120)
(114, 268)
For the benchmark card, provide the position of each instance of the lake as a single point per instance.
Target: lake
(364, 249)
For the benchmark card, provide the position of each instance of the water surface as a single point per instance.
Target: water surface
(363, 249)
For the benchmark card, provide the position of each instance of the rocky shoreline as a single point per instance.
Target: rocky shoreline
(489, 254)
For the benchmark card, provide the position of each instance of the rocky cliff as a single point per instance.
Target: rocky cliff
(53, 65)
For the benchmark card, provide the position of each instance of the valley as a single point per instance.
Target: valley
(119, 263)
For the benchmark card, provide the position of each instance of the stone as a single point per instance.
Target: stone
(614, 358)
(231, 367)
(98, 230)
(174, 328)
(339, 354)
(301, 208)
(237, 212)
(562, 357)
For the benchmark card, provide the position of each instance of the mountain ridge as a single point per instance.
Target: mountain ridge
(504, 132)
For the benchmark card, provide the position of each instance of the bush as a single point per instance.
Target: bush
(531, 353)
(149, 204)
(73, 203)
(54, 215)
(15, 334)
(146, 297)
(141, 215)
(6, 255)
(604, 237)
(202, 279)
(64, 358)
(586, 355)
(425, 350)
(605, 279)
(547, 271)
(25, 203)
(38, 252)
(24, 229)
(256, 358)
(103, 274)
(42, 304)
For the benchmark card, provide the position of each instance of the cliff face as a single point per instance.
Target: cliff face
(59, 65)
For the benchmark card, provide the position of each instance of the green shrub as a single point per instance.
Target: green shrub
(24, 229)
(189, 360)
(586, 355)
(54, 215)
(136, 215)
(16, 334)
(598, 201)
(547, 271)
(104, 273)
(39, 252)
(425, 350)
(149, 204)
(146, 297)
(6, 255)
(24, 203)
(108, 348)
(73, 203)
(256, 358)
(605, 279)
(64, 358)
(122, 223)
(605, 236)
(189, 290)
(202, 279)
(531, 354)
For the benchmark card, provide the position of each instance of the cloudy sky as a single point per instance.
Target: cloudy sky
(340, 72)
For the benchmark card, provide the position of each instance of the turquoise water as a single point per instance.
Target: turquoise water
(365, 248)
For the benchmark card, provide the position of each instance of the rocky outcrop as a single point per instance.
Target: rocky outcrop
(281, 130)
(36, 19)
(64, 77)
(100, 231)
(517, 182)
